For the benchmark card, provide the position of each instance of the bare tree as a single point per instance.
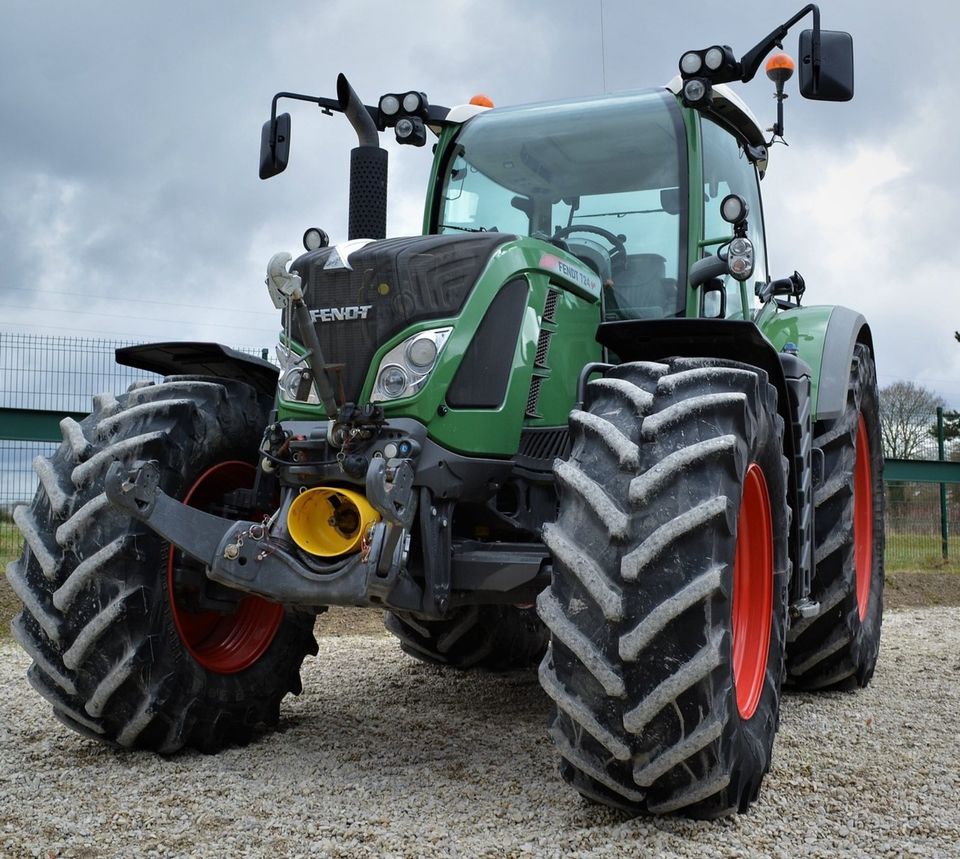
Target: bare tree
(906, 413)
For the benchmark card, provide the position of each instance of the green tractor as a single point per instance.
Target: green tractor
(574, 423)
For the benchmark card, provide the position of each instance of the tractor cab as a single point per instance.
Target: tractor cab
(603, 178)
(608, 180)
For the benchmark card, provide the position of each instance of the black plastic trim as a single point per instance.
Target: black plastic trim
(483, 375)
(201, 359)
(845, 329)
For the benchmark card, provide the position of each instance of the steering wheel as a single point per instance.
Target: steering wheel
(618, 242)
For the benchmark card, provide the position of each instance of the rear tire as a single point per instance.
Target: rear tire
(667, 621)
(120, 659)
(495, 637)
(840, 646)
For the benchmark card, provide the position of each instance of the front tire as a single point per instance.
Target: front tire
(121, 654)
(667, 607)
(839, 647)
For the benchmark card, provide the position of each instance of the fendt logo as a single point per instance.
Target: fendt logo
(341, 314)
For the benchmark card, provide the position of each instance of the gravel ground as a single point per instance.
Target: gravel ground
(384, 756)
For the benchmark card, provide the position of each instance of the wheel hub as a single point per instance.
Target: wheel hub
(224, 643)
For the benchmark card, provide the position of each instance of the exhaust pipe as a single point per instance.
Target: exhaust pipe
(367, 218)
(327, 521)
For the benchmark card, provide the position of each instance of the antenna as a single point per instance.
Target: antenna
(603, 51)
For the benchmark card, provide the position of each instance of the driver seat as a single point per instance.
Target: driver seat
(641, 290)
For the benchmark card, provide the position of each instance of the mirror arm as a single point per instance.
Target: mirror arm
(750, 63)
(706, 269)
(436, 114)
(793, 286)
(325, 104)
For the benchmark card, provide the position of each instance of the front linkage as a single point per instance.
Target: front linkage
(259, 559)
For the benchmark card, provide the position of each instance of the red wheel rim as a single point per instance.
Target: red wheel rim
(224, 643)
(863, 519)
(752, 592)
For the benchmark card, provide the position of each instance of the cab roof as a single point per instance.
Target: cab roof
(732, 110)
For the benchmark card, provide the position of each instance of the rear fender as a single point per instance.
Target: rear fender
(825, 337)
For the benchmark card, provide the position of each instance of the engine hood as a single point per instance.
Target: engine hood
(382, 288)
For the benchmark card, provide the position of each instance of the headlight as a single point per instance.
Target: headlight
(690, 62)
(411, 102)
(421, 353)
(694, 90)
(404, 370)
(713, 59)
(389, 105)
(391, 382)
(740, 258)
(296, 380)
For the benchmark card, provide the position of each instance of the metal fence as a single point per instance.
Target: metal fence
(44, 376)
(920, 533)
(922, 518)
(61, 374)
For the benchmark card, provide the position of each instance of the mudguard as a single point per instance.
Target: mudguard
(652, 339)
(825, 337)
(201, 359)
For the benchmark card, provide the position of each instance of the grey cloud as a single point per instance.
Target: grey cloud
(149, 113)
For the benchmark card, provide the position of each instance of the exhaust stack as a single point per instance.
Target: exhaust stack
(367, 217)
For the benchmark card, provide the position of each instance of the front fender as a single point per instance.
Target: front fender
(201, 359)
(732, 339)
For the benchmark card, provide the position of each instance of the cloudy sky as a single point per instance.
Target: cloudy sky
(130, 205)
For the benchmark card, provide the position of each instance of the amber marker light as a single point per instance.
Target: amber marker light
(779, 67)
(482, 100)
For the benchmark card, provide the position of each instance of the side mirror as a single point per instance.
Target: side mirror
(833, 81)
(713, 300)
(706, 269)
(670, 200)
(274, 146)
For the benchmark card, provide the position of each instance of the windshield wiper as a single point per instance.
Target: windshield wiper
(619, 214)
(469, 229)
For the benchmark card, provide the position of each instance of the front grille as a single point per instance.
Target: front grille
(533, 397)
(550, 307)
(543, 346)
(390, 284)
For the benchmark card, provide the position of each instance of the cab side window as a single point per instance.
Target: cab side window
(727, 170)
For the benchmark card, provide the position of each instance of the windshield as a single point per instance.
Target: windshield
(605, 177)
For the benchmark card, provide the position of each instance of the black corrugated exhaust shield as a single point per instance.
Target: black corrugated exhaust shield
(367, 217)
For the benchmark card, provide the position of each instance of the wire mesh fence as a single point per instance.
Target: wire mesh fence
(922, 519)
(920, 533)
(59, 374)
(52, 374)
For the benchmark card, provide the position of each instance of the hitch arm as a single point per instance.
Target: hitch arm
(137, 492)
